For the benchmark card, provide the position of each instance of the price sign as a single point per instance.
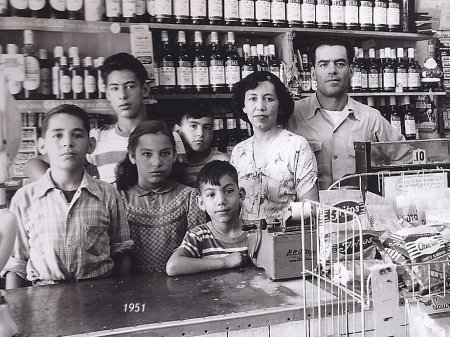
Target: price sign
(419, 156)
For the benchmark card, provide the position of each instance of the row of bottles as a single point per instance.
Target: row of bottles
(63, 77)
(380, 15)
(399, 112)
(202, 68)
(228, 133)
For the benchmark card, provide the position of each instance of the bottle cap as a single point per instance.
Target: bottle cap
(198, 36)
(73, 52)
(181, 36)
(28, 37)
(406, 100)
(43, 55)
(214, 37)
(12, 49)
(100, 60)
(392, 100)
(58, 51)
(246, 48)
(87, 61)
(76, 61)
(266, 50)
(411, 53)
(164, 36)
(63, 60)
(400, 53)
(260, 49)
(381, 53)
(361, 53)
(393, 54)
(230, 37)
(372, 53)
(253, 51)
(271, 49)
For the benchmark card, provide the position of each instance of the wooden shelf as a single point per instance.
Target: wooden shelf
(362, 35)
(380, 93)
(94, 27)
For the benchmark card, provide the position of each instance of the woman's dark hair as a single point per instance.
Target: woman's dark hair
(251, 82)
(332, 41)
(123, 61)
(126, 171)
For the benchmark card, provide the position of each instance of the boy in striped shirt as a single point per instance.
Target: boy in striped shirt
(220, 243)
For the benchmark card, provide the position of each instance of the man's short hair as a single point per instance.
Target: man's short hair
(197, 111)
(332, 41)
(69, 109)
(124, 61)
(213, 171)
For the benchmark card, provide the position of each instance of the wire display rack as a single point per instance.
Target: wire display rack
(367, 301)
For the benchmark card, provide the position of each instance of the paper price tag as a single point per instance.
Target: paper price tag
(419, 156)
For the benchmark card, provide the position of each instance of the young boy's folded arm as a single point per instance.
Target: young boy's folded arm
(182, 262)
(119, 234)
(16, 267)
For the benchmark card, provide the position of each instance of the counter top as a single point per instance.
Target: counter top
(190, 305)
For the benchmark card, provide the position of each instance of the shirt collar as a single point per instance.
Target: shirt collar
(168, 186)
(314, 106)
(87, 182)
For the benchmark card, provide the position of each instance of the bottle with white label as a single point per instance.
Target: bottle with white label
(129, 10)
(4, 10)
(77, 75)
(58, 52)
(355, 80)
(45, 75)
(163, 11)
(231, 12)
(309, 13)
(293, 13)
(200, 66)
(101, 87)
(278, 13)
(181, 11)
(19, 8)
(199, 13)
(113, 10)
(273, 62)
(393, 15)
(141, 11)
(323, 14)
(215, 12)
(31, 82)
(247, 12)
(38, 8)
(337, 14)
(366, 15)
(216, 65)
(65, 79)
(151, 10)
(93, 10)
(75, 9)
(248, 65)
(351, 15)
(15, 87)
(401, 72)
(380, 15)
(232, 66)
(58, 9)
(414, 83)
(395, 117)
(262, 13)
(90, 79)
(183, 64)
(388, 71)
(167, 70)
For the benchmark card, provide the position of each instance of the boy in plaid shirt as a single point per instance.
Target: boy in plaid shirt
(71, 225)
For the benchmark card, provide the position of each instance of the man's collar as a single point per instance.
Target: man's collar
(168, 186)
(314, 106)
(87, 182)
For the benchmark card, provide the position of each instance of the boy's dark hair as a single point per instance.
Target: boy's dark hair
(123, 61)
(69, 109)
(126, 172)
(213, 171)
(197, 111)
(332, 41)
(250, 82)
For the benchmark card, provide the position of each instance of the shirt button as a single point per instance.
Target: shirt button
(335, 157)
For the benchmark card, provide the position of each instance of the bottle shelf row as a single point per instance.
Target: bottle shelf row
(75, 26)
(102, 107)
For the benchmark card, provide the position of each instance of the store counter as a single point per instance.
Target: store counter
(238, 302)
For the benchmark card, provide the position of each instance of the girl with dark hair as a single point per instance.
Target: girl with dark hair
(275, 166)
(159, 210)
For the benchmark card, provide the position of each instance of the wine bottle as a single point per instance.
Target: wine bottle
(413, 72)
(293, 13)
(200, 66)
(74, 9)
(163, 11)
(388, 71)
(309, 13)
(167, 70)
(215, 12)
(262, 13)
(31, 82)
(181, 11)
(261, 64)
(366, 15)
(199, 12)
(113, 10)
(58, 9)
(216, 66)
(380, 15)
(351, 11)
(4, 10)
(401, 73)
(278, 13)
(364, 70)
(393, 15)
(410, 126)
(90, 79)
(394, 115)
(184, 65)
(323, 14)
(129, 10)
(45, 75)
(374, 71)
(65, 80)
(273, 62)
(19, 8)
(38, 8)
(77, 77)
(248, 66)
(101, 87)
(247, 12)
(15, 87)
(232, 68)
(337, 14)
(58, 52)
(355, 80)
